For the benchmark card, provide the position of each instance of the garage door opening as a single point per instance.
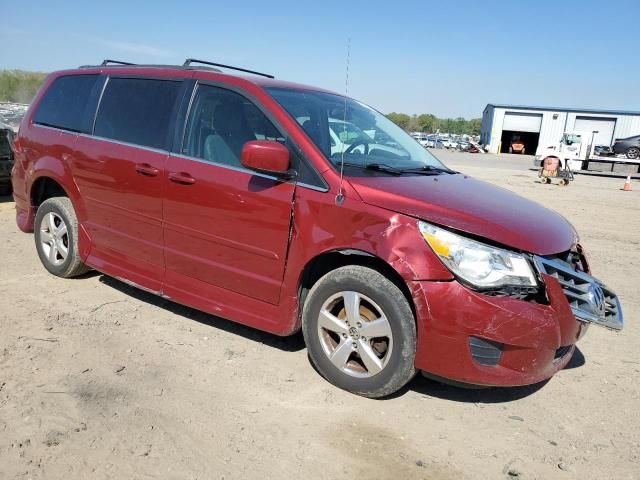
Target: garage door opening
(529, 139)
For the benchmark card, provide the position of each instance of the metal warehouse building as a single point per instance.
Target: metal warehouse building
(545, 126)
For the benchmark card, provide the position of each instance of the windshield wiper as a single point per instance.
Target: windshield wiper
(428, 170)
(381, 167)
(376, 167)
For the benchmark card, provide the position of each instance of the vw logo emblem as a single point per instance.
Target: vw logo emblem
(596, 299)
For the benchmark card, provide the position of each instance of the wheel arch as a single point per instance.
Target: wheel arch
(47, 184)
(45, 187)
(328, 261)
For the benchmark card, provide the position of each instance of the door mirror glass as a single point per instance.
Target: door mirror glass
(265, 156)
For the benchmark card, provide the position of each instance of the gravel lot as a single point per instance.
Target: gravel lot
(99, 380)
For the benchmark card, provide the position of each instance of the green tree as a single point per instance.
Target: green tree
(429, 123)
(400, 119)
(19, 86)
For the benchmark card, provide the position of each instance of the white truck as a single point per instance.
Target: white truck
(576, 151)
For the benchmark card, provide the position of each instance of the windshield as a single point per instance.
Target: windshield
(363, 136)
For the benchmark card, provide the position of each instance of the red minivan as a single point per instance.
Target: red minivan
(287, 207)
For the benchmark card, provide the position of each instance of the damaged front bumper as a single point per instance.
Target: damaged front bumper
(590, 300)
(471, 337)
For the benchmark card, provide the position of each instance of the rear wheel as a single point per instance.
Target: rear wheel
(56, 236)
(360, 331)
(633, 153)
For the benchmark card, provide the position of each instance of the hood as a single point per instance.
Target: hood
(471, 206)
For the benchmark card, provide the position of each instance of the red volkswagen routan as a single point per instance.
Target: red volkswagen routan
(287, 207)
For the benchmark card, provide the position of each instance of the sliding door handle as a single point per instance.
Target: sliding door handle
(147, 170)
(181, 178)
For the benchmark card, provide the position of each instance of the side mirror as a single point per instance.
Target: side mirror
(266, 156)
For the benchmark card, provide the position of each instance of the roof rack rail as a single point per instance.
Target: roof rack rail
(117, 62)
(189, 61)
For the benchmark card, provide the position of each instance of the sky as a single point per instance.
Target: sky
(449, 58)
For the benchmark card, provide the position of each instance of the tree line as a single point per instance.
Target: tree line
(429, 123)
(19, 86)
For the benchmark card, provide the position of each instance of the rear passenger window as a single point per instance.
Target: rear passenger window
(69, 103)
(138, 111)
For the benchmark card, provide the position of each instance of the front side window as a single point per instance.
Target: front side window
(138, 111)
(359, 135)
(68, 103)
(220, 122)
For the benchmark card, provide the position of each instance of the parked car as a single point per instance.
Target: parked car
(422, 138)
(629, 146)
(603, 151)
(449, 142)
(205, 188)
(433, 141)
(6, 158)
(462, 145)
(517, 145)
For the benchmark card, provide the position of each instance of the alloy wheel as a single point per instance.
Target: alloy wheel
(54, 238)
(355, 334)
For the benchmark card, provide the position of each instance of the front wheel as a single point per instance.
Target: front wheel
(360, 331)
(56, 236)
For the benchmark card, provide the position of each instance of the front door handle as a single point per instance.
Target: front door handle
(182, 178)
(147, 170)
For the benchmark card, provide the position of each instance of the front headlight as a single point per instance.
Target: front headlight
(480, 265)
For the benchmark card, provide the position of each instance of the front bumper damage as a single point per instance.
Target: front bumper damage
(471, 337)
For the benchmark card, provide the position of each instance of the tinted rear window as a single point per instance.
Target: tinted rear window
(137, 110)
(69, 103)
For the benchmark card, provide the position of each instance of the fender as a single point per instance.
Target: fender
(320, 226)
(55, 169)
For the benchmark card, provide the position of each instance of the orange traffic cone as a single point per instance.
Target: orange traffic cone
(627, 184)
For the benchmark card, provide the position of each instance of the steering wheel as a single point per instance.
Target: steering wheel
(357, 143)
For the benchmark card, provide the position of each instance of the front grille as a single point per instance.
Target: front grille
(589, 299)
(485, 352)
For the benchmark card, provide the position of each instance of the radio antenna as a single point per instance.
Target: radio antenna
(340, 196)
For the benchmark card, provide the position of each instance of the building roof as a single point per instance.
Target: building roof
(563, 109)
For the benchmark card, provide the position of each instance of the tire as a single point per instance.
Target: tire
(522, 152)
(633, 153)
(378, 365)
(510, 150)
(58, 216)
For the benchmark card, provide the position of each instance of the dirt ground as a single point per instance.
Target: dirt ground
(99, 380)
